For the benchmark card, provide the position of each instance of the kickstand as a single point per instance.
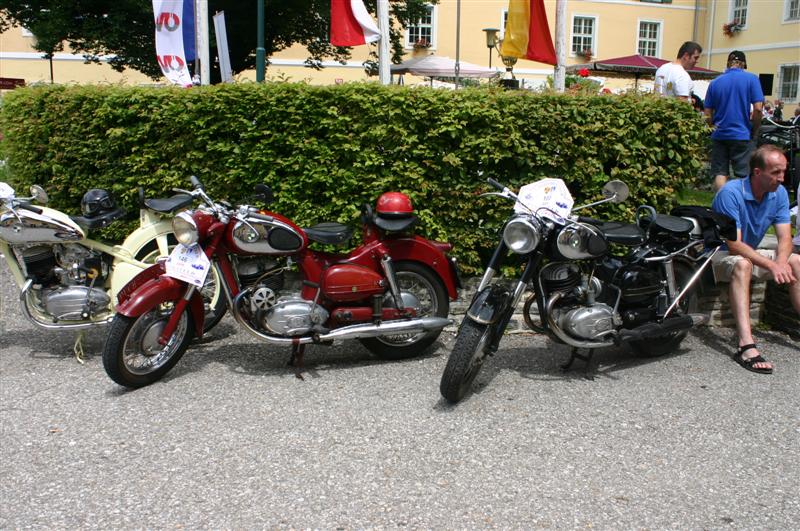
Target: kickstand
(78, 348)
(575, 354)
(296, 360)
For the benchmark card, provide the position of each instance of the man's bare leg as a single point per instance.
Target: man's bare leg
(739, 295)
(794, 288)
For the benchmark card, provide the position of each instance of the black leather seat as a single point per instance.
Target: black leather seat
(329, 232)
(621, 233)
(170, 204)
(673, 224)
(99, 221)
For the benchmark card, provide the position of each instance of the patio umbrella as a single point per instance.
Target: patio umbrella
(636, 65)
(439, 66)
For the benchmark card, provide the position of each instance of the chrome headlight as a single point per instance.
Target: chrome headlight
(522, 234)
(185, 229)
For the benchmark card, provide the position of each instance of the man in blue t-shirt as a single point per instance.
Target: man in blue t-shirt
(727, 107)
(755, 203)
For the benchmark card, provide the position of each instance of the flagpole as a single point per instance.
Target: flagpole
(560, 72)
(458, 41)
(383, 43)
(260, 51)
(202, 39)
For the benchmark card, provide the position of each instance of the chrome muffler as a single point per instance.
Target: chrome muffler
(411, 326)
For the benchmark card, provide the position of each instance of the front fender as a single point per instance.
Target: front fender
(489, 304)
(159, 290)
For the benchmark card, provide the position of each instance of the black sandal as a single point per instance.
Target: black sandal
(748, 363)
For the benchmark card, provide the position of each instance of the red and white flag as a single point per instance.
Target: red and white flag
(351, 24)
(170, 21)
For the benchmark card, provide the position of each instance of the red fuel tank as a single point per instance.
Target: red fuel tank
(348, 282)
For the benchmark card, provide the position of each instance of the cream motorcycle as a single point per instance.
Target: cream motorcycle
(70, 282)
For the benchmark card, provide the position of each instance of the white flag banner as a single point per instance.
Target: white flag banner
(169, 41)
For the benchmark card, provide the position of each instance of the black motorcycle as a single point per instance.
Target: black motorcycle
(643, 290)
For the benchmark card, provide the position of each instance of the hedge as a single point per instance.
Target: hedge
(327, 150)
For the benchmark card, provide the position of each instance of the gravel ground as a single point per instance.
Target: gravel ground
(231, 439)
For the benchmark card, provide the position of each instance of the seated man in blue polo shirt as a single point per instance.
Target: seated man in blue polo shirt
(756, 202)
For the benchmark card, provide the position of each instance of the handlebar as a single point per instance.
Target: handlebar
(196, 184)
(26, 206)
(495, 184)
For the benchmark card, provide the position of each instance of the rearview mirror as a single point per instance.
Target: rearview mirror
(616, 190)
(38, 193)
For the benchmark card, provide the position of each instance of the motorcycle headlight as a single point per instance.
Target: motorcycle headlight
(185, 229)
(523, 234)
(577, 241)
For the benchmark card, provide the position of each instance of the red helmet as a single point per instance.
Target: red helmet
(394, 212)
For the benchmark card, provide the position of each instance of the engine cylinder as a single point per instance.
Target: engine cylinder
(39, 263)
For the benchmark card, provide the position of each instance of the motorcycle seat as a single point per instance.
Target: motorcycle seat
(99, 221)
(329, 232)
(169, 204)
(621, 233)
(673, 224)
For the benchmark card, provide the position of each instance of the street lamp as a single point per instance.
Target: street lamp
(491, 41)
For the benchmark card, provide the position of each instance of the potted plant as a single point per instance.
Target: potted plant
(731, 28)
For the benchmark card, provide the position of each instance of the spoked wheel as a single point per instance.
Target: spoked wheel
(662, 345)
(213, 301)
(465, 360)
(132, 355)
(422, 290)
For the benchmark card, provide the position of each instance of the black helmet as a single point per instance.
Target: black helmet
(97, 201)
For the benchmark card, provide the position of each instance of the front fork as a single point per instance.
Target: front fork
(177, 311)
(506, 308)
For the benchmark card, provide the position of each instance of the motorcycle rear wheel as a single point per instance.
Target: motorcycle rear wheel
(213, 301)
(659, 346)
(429, 292)
(132, 356)
(465, 360)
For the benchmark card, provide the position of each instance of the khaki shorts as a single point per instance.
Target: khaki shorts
(724, 262)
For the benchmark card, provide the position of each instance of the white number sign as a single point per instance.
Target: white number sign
(545, 196)
(189, 264)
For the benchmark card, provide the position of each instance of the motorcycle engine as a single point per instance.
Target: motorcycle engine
(577, 311)
(65, 277)
(267, 309)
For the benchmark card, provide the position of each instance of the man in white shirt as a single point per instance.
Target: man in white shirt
(672, 78)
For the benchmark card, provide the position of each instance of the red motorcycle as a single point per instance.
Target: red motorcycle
(392, 292)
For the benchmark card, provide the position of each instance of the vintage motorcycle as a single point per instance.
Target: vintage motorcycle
(70, 282)
(392, 292)
(587, 297)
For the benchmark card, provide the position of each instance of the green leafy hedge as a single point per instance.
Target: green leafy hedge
(327, 150)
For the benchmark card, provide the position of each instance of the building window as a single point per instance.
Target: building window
(791, 10)
(583, 35)
(649, 33)
(420, 34)
(739, 12)
(790, 81)
(503, 21)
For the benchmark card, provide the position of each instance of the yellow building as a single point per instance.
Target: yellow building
(768, 32)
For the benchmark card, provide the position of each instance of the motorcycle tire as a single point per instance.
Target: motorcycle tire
(465, 360)
(132, 356)
(429, 290)
(659, 346)
(213, 301)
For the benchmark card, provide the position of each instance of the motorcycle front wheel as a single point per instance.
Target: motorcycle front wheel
(466, 360)
(423, 290)
(213, 301)
(132, 355)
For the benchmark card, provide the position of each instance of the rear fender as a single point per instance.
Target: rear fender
(432, 254)
(159, 290)
(489, 304)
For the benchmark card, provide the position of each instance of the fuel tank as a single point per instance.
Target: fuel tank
(51, 226)
(348, 282)
(267, 233)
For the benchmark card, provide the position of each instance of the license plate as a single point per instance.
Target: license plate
(189, 264)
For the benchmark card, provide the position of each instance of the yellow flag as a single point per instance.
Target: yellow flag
(515, 43)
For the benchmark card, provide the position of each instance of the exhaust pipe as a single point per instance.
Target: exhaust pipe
(411, 326)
